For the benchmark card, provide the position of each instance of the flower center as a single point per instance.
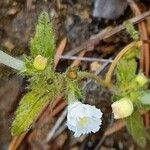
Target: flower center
(83, 121)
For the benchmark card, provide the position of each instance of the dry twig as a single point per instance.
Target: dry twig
(60, 50)
(117, 58)
(107, 33)
(85, 58)
(145, 57)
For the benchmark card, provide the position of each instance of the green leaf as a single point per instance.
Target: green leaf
(145, 99)
(126, 70)
(29, 108)
(43, 43)
(131, 30)
(136, 128)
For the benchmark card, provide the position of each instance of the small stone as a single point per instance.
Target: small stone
(12, 11)
(69, 21)
(53, 13)
(94, 66)
(9, 45)
(14, 4)
(109, 9)
(84, 15)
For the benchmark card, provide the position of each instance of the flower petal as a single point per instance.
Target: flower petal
(83, 118)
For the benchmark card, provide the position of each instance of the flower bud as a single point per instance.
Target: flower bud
(40, 62)
(141, 79)
(122, 108)
(72, 73)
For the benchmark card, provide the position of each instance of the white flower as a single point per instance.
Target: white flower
(83, 118)
(122, 108)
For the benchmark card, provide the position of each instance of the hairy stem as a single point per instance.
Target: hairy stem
(11, 61)
(92, 76)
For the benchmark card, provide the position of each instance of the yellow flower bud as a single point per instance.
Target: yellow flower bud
(72, 73)
(141, 79)
(40, 62)
(122, 108)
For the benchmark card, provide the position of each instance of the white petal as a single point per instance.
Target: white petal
(90, 114)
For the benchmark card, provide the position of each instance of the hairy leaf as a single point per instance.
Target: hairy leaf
(126, 70)
(131, 30)
(136, 128)
(29, 108)
(43, 43)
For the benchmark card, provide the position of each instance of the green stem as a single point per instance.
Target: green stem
(72, 98)
(11, 61)
(92, 76)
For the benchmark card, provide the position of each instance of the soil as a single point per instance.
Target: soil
(72, 19)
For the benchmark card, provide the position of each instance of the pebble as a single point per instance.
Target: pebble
(109, 9)
(9, 45)
(94, 66)
(12, 11)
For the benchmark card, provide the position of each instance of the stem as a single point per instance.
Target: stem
(92, 76)
(117, 58)
(11, 61)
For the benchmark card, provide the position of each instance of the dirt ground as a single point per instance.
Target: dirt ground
(72, 19)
